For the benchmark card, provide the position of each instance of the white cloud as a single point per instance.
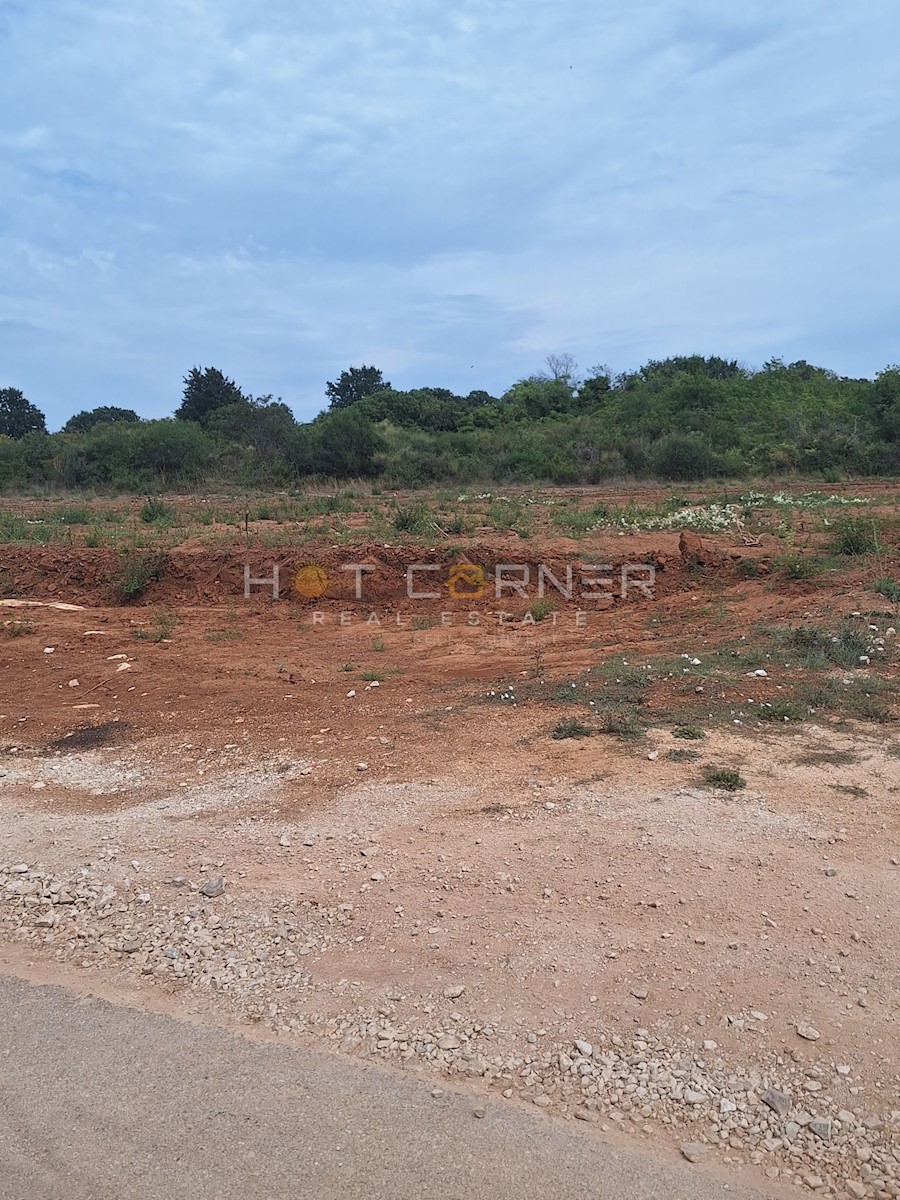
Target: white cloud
(451, 188)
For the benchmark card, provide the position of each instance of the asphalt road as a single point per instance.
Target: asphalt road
(100, 1102)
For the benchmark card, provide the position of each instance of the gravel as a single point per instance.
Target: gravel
(196, 935)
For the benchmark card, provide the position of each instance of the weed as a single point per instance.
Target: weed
(17, 628)
(688, 732)
(154, 512)
(850, 789)
(425, 622)
(77, 515)
(817, 648)
(827, 758)
(889, 588)
(781, 710)
(163, 625)
(136, 570)
(414, 519)
(725, 778)
(541, 609)
(371, 677)
(856, 534)
(348, 666)
(571, 727)
(799, 566)
(621, 721)
(683, 755)
(224, 635)
(378, 645)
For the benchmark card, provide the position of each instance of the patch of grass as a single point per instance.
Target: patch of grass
(688, 732)
(13, 528)
(348, 667)
(423, 622)
(17, 628)
(76, 515)
(378, 645)
(414, 519)
(571, 727)
(799, 566)
(724, 777)
(136, 570)
(816, 648)
(371, 676)
(161, 631)
(456, 525)
(781, 710)
(682, 755)
(541, 609)
(224, 635)
(827, 758)
(850, 789)
(155, 512)
(621, 721)
(888, 588)
(855, 534)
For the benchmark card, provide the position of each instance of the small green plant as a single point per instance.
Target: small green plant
(541, 609)
(161, 631)
(725, 778)
(682, 755)
(571, 727)
(456, 525)
(136, 570)
(371, 676)
(348, 667)
(17, 628)
(855, 534)
(77, 515)
(155, 512)
(799, 566)
(889, 588)
(414, 519)
(224, 635)
(621, 721)
(378, 645)
(688, 732)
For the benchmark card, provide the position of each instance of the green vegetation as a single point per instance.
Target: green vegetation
(889, 588)
(725, 778)
(681, 419)
(571, 727)
(135, 571)
(855, 534)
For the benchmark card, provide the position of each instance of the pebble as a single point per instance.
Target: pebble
(213, 887)
(454, 992)
(807, 1031)
(694, 1152)
(779, 1102)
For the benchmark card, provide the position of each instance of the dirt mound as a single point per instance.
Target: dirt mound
(481, 574)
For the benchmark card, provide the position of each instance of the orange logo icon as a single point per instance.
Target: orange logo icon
(466, 581)
(310, 582)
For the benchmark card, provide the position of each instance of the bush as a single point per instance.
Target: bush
(855, 534)
(683, 456)
(136, 570)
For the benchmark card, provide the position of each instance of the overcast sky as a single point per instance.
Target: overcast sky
(449, 189)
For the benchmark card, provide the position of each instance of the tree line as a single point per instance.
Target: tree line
(680, 418)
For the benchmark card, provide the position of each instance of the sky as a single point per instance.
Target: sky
(447, 189)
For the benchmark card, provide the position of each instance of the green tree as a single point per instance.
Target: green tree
(205, 390)
(104, 415)
(18, 416)
(345, 445)
(354, 385)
